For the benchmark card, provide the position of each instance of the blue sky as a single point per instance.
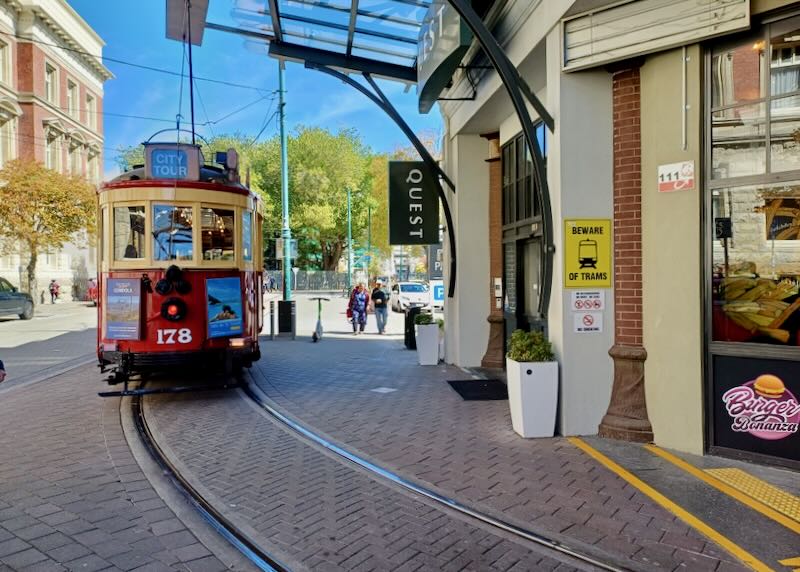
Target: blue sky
(135, 32)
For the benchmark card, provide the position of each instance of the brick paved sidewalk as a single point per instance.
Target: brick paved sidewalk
(72, 496)
(315, 512)
(423, 430)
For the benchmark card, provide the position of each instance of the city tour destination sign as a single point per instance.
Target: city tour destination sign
(171, 161)
(587, 253)
(443, 41)
(413, 204)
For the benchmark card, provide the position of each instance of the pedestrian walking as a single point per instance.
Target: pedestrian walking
(55, 288)
(379, 300)
(2, 371)
(357, 308)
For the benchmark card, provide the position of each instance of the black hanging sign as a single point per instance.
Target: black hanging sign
(413, 205)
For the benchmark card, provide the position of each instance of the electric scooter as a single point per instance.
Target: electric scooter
(317, 335)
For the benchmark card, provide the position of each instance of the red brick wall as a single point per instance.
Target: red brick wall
(627, 208)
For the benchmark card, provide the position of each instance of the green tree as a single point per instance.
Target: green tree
(42, 209)
(322, 166)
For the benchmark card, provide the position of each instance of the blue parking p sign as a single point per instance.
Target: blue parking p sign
(438, 293)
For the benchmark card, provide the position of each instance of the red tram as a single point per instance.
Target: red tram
(180, 265)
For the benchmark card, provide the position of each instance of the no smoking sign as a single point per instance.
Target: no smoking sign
(588, 322)
(588, 300)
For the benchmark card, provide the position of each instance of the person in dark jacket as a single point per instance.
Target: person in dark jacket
(380, 303)
(2, 371)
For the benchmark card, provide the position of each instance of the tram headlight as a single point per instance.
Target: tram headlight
(173, 309)
(163, 287)
(182, 286)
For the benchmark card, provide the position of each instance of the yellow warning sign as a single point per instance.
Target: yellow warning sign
(587, 253)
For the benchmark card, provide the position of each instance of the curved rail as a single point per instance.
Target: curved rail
(428, 493)
(222, 525)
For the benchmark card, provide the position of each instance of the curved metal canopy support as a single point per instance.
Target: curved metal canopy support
(518, 90)
(380, 99)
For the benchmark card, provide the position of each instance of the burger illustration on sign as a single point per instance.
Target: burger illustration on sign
(763, 407)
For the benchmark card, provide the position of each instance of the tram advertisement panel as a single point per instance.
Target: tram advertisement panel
(757, 406)
(224, 307)
(123, 312)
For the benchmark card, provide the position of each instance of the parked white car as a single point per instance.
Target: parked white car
(409, 295)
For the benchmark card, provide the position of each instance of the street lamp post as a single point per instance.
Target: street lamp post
(287, 231)
(349, 242)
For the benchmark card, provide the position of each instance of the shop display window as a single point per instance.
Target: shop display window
(172, 233)
(756, 264)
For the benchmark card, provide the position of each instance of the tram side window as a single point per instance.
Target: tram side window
(172, 232)
(128, 233)
(217, 233)
(247, 236)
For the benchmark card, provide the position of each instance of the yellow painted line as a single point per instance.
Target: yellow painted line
(727, 489)
(678, 511)
(791, 562)
(760, 490)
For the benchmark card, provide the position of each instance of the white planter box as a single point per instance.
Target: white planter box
(533, 397)
(427, 344)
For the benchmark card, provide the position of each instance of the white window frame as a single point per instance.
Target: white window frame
(54, 136)
(6, 61)
(91, 111)
(52, 98)
(73, 95)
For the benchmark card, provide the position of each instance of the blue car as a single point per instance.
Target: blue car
(14, 302)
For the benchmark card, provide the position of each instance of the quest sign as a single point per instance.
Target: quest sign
(443, 41)
(413, 204)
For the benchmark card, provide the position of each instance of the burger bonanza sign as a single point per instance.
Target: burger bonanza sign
(756, 406)
(763, 407)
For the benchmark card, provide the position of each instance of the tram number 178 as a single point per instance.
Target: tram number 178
(171, 336)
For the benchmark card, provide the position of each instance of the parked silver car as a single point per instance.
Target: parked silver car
(409, 295)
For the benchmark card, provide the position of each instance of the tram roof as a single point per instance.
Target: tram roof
(375, 36)
(208, 174)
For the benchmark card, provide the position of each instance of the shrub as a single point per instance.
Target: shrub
(529, 346)
(423, 319)
(440, 323)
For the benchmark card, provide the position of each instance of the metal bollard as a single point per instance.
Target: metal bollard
(272, 319)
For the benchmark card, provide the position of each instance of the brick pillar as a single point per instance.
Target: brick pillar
(495, 352)
(626, 417)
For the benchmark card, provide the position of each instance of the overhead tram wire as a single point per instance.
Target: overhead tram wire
(131, 64)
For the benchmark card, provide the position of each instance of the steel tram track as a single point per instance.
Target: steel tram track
(223, 526)
(267, 562)
(439, 499)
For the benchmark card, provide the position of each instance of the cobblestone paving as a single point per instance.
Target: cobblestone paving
(312, 511)
(466, 449)
(71, 494)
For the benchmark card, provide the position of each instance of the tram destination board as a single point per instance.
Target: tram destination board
(413, 204)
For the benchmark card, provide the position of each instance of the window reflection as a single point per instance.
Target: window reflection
(247, 236)
(739, 144)
(128, 233)
(172, 232)
(756, 257)
(217, 234)
(737, 73)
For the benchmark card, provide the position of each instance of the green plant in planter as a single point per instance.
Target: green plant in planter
(423, 319)
(440, 322)
(529, 346)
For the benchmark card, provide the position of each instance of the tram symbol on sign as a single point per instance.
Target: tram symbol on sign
(588, 320)
(587, 253)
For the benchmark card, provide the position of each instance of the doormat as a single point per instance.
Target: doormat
(480, 389)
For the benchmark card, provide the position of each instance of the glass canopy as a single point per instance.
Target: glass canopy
(379, 33)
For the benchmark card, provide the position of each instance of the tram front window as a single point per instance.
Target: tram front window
(128, 233)
(217, 233)
(172, 232)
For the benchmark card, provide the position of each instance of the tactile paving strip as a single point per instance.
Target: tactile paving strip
(763, 492)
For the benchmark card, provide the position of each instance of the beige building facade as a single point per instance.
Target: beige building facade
(676, 122)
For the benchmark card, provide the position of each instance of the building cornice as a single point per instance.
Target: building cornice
(80, 52)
